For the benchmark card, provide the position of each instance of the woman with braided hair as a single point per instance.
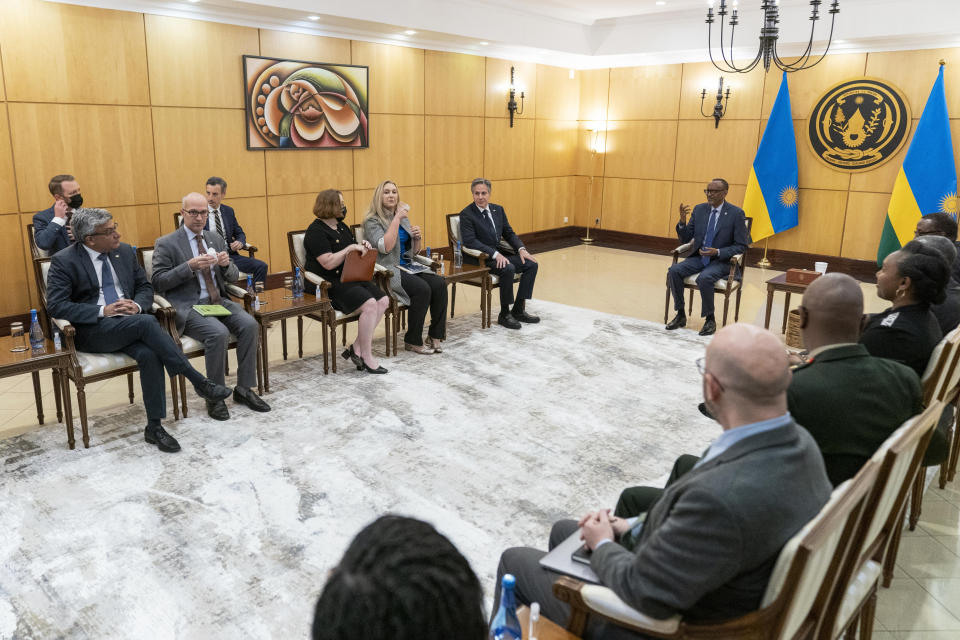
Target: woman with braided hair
(401, 580)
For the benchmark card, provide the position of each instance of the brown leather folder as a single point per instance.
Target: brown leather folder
(357, 268)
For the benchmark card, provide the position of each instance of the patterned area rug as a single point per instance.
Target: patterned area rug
(491, 441)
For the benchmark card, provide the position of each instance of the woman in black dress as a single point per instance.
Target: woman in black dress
(326, 243)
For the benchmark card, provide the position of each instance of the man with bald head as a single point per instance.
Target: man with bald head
(709, 543)
(191, 266)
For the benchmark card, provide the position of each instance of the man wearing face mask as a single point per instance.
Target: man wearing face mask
(51, 227)
(222, 220)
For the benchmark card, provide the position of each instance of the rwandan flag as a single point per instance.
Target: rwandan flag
(927, 181)
(772, 195)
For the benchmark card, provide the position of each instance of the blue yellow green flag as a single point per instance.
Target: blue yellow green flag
(772, 196)
(927, 181)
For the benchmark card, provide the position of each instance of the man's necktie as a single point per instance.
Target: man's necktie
(711, 232)
(489, 217)
(219, 223)
(212, 292)
(106, 278)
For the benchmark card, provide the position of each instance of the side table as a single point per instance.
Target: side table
(16, 363)
(451, 274)
(779, 283)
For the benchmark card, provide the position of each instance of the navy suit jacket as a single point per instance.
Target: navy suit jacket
(73, 289)
(231, 227)
(475, 231)
(50, 237)
(731, 237)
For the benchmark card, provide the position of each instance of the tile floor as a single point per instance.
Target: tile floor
(923, 603)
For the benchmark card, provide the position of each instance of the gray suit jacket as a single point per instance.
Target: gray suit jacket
(174, 280)
(710, 542)
(373, 232)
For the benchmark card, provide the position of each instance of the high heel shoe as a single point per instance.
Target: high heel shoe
(350, 354)
(379, 369)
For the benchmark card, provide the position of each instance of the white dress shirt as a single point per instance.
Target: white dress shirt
(191, 240)
(98, 269)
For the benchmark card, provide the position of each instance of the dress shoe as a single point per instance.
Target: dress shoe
(507, 320)
(211, 391)
(379, 369)
(416, 348)
(218, 410)
(679, 320)
(164, 441)
(249, 398)
(703, 409)
(709, 328)
(435, 344)
(351, 355)
(523, 316)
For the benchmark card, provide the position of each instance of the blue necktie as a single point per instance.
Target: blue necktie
(708, 238)
(106, 277)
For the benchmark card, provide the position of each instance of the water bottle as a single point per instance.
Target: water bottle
(57, 343)
(253, 293)
(457, 256)
(505, 625)
(428, 254)
(297, 283)
(36, 333)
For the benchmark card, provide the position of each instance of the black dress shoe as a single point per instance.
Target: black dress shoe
(218, 410)
(709, 328)
(379, 369)
(703, 409)
(249, 398)
(164, 441)
(507, 320)
(211, 391)
(679, 320)
(351, 354)
(523, 316)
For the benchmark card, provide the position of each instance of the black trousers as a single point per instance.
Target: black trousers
(636, 500)
(715, 270)
(141, 338)
(528, 275)
(426, 290)
(256, 268)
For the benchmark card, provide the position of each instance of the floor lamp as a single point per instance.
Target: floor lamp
(593, 156)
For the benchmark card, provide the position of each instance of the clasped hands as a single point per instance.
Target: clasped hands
(704, 251)
(206, 260)
(122, 307)
(597, 526)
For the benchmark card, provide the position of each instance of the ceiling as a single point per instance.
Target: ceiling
(576, 34)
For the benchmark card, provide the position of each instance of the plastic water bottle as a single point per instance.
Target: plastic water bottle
(57, 342)
(457, 256)
(506, 625)
(253, 293)
(297, 283)
(36, 333)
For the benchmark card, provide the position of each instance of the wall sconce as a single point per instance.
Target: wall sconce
(720, 108)
(512, 101)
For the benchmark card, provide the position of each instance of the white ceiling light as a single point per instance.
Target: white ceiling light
(313, 17)
(410, 32)
(484, 43)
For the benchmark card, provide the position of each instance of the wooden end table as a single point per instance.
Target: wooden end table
(451, 274)
(779, 283)
(16, 363)
(274, 305)
(546, 629)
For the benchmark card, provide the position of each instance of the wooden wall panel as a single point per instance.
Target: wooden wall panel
(412, 195)
(63, 53)
(508, 153)
(882, 179)
(197, 64)
(637, 206)
(641, 149)
(252, 214)
(866, 213)
(194, 144)
(591, 148)
(139, 225)
(440, 200)
(396, 77)
(691, 193)
(594, 89)
(589, 202)
(555, 148)
(558, 94)
(15, 299)
(704, 153)
(554, 202)
(820, 228)
(914, 73)
(287, 213)
(308, 170)
(8, 182)
(645, 93)
(516, 197)
(453, 149)
(498, 84)
(395, 153)
(302, 46)
(30, 284)
(807, 87)
(108, 149)
(746, 92)
(453, 84)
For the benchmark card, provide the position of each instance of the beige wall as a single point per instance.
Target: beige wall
(140, 122)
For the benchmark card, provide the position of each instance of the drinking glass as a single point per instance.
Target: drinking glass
(288, 287)
(258, 288)
(18, 336)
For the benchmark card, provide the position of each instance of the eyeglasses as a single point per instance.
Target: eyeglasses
(709, 191)
(112, 231)
(702, 368)
(193, 213)
(917, 233)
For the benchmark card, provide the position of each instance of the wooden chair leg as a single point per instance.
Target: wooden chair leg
(916, 497)
(690, 305)
(174, 394)
(326, 350)
(736, 311)
(183, 396)
(851, 631)
(453, 297)
(726, 305)
(396, 332)
(344, 331)
(954, 451)
(82, 409)
(283, 336)
(867, 614)
(130, 386)
(666, 306)
(64, 381)
(56, 394)
(890, 559)
(300, 336)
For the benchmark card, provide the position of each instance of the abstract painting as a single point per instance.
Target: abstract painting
(292, 104)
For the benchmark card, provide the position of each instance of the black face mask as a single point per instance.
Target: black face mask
(343, 212)
(75, 201)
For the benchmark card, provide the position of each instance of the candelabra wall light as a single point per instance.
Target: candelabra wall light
(720, 108)
(769, 34)
(512, 101)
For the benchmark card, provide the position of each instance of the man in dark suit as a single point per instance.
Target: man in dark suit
(51, 227)
(98, 286)
(718, 230)
(482, 226)
(190, 267)
(223, 220)
(940, 224)
(708, 545)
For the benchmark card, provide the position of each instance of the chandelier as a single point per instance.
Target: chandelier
(768, 37)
